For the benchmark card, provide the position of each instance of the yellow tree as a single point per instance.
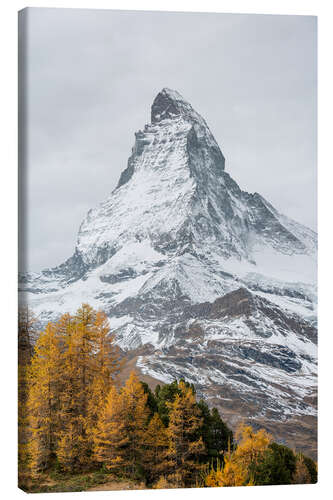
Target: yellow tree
(120, 431)
(69, 445)
(155, 449)
(76, 361)
(43, 399)
(251, 446)
(229, 474)
(240, 464)
(85, 337)
(105, 366)
(89, 364)
(184, 448)
(109, 436)
(137, 413)
(26, 336)
(78, 341)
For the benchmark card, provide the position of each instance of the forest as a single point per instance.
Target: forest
(79, 427)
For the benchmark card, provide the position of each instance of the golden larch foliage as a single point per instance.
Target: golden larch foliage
(119, 436)
(251, 444)
(26, 334)
(89, 365)
(238, 465)
(185, 447)
(155, 448)
(43, 399)
(105, 367)
(72, 370)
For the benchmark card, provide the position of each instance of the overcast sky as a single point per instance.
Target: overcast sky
(93, 74)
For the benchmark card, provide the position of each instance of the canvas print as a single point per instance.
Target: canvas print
(167, 328)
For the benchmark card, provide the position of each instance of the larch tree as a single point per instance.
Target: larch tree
(184, 450)
(85, 338)
(155, 449)
(110, 438)
(241, 464)
(120, 431)
(251, 447)
(105, 366)
(90, 362)
(230, 473)
(69, 446)
(134, 400)
(78, 338)
(43, 399)
(26, 336)
(76, 361)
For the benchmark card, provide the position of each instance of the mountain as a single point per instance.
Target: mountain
(199, 279)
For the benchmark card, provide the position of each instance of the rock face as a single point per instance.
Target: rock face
(216, 284)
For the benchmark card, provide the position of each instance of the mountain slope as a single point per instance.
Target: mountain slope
(177, 240)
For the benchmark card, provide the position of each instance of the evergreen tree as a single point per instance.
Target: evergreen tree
(151, 399)
(277, 466)
(165, 395)
(222, 436)
(216, 435)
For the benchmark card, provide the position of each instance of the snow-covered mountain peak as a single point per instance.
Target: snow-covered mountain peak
(176, 197)
(169, 103)
(212, 282)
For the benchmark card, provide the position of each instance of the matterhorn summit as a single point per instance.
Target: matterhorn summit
(199, 278)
